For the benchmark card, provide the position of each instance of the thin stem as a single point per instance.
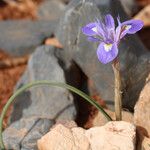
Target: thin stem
(49, 83)
(118, 92)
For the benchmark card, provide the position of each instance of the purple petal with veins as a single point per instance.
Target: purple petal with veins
(89, 29)
(109, 37)
(109, 21)
(107, 52)
(93, 39)
(118, 31)
(100, 29)
(131, 27)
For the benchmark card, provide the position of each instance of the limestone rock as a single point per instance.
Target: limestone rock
(143, 15)
(114, 135)
(134, 57)
(65, 138)
(143, 142)
(67, 123)
(100, 119)
(142, 108)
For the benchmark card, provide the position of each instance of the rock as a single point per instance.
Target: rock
(114, 135)
(40, 128)
(65, 1)
(67, 124)
(46, 102)
(23, 134)
(144, 15)
(130, 6)
(50, 10)
(65, 138)
(16, 132)
(141, 110)
(134, 58)
(143, 142)
(21, 37)
(100, 120)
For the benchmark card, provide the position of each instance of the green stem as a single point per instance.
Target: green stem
(44, 82)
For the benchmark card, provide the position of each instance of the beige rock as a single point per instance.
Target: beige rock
(63, 138)
(144, 15)
(145, 145)
(67, 123)
(143, 141)
(142, 108)
(113, 136)
(100, 119)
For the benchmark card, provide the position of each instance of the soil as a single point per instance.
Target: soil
(23, 9)
(8, 79)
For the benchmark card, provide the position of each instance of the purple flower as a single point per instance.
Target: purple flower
(108, 36)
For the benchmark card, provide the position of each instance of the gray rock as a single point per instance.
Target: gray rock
(134, 57)
(23, 134)
(50, 10)
(40, 128)
(21, 37)
(16, 132)
(130, 6)
(65, 1)
(48, 102)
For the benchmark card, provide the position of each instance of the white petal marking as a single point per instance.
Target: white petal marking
(94, 29)
(107, 47)
(127, 27)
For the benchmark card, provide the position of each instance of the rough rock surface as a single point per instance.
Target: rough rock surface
(143, 142)
(50, 10)
(48, 102)
(100, 119)
(23, 134)
(130, 6)
(22, 37)
(142, 108)
(134, 57)
(112, 136)
(65, 1)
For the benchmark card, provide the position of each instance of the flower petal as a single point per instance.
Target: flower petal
(100, 29)
(107, 52)
(93, 39)
(90, 29)
(109, 21)
(131, 27)
(118, 30)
